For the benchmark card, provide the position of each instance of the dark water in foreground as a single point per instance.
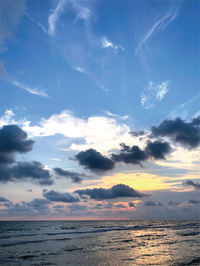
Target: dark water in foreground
(100, 243)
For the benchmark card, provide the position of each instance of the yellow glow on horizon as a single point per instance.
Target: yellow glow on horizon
(139, 181)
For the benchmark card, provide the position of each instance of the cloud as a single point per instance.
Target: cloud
(55, 159)
(130, 155)
(131, 204)
(153, 93)
(120, 205)
(108, 113)
(13, 139)
(79, 69)
(77, 207)
(38, 204)
(157, 149)
(75, 177)
(81, 12)
(192, 184)
(92, 130)
(134, 155)
(13, 82)
(137, 133)
(34, 91)
(55, 196)
(190, 108)
(33, 171)
(184, 133)
(10, 14)
(32, 208)
(2, 70)
(37, 23)
(105, 43)
(94, 160)
(158, 26)
(2, 199)
(116, 191)
(54, 16)
(152, 204)
(8, 118)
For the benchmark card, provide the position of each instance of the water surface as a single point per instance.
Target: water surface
(100, 243)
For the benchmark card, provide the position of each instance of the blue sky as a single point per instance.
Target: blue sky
(79, 75)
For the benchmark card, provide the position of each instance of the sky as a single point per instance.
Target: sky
(99, 109)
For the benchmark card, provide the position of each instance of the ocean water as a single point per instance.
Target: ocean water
(100, 243)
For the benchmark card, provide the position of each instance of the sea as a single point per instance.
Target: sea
(100, 243)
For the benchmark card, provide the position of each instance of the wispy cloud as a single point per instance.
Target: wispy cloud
(10, 14)
(79, 69)
(14, 82)
(37, 23)
(34, 91)
(54, 16)
(190, 108)
(82, 12)
(116, 116)
(3, 72)
(105, 43)
(153, 93)
(160, 25)
(55, 159)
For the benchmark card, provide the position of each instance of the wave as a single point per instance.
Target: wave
(24, 242)
(72, 248)
(190, 234)
(11, 236)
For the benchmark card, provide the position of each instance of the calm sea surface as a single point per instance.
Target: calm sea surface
(100, 243)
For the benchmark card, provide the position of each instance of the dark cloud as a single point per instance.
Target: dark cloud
(116, 191)
(157, 149)
(122, 206)
(39, 204)
(131, 204)
(193, 201)
(53, 195)
(192, 184)
(184, 133)
(2, 199)
(108, 205)
(28, 208)
(6, 157)
(94, 160)
(77, 207)
(58, 207)
(131, 155)
(134, 155)
(25, 170)
(152, 204)
(9, 19)
(13, 139)
(75, 177)
(137, 133)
